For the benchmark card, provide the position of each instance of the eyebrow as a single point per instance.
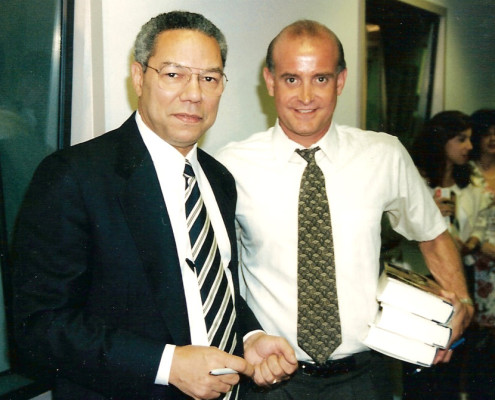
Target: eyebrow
(174, 64)
(289, 74)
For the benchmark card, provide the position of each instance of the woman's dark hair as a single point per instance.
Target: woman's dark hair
(481, 122)
(428, 150)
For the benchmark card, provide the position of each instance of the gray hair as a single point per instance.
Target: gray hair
(310, 28)
(145, 41)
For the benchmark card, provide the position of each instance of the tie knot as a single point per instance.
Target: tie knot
(188, 171)
(308, 154)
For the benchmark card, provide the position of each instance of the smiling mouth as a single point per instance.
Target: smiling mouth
(305, 111)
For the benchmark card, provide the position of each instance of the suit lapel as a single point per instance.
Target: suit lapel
(223, 188)
(223, 197)
(147, 217)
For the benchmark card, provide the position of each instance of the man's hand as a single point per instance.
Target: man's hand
(463, 314)
(445, 264)
(273, 358)
(191, 366)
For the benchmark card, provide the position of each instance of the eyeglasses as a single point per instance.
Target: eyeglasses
(176, 77)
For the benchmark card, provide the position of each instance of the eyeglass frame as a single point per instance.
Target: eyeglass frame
(202, 71)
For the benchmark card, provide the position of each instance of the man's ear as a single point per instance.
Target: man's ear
(341, 78)
(269, 81)
(137, 75)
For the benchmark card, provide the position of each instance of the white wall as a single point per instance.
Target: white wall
(105, 32)
(248, 26)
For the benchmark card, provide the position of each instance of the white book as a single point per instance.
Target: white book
(413, 292)
(412, 326)
(400, 347)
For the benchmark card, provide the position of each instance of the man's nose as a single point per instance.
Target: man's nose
(306, 93)
(192, 90)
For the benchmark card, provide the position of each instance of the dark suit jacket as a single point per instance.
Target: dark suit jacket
(98, 287)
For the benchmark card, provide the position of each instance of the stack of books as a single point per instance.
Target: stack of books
(412, 321)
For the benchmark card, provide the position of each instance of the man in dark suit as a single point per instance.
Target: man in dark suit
(106, 285)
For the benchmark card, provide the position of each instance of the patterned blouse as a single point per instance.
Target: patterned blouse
(484, 267)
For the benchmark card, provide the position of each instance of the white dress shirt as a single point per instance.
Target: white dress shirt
(169, 165)
(366, 174)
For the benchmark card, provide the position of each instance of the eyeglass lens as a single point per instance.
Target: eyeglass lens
(176, 77)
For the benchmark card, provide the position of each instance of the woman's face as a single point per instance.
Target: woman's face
(487, 141)
(457, 149)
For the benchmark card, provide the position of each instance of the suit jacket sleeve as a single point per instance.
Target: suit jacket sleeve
(56, 323)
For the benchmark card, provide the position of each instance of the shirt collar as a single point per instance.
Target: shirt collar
(284, 148)
(162, 153)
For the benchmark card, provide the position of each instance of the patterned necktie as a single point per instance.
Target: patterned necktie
(318, 321)
(218, 305)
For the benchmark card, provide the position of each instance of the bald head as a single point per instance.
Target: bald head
(306, 28)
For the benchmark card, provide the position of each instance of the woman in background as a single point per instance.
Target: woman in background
(483, 153)
(480, 371)
(441, 153)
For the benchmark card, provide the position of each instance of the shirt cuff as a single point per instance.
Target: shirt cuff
(163, 374)
(249, 334)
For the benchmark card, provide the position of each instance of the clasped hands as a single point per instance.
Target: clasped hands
(267, 360)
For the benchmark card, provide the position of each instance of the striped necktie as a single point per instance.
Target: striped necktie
(218, 305)
(318, 321)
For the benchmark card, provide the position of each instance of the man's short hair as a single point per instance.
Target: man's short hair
(309, 28)
(146, 38)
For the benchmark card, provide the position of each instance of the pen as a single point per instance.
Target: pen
(457, 343)
(223, 371)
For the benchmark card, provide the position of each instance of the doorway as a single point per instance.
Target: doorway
(404, 66)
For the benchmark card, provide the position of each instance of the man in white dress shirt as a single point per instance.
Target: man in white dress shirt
(366, 174)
